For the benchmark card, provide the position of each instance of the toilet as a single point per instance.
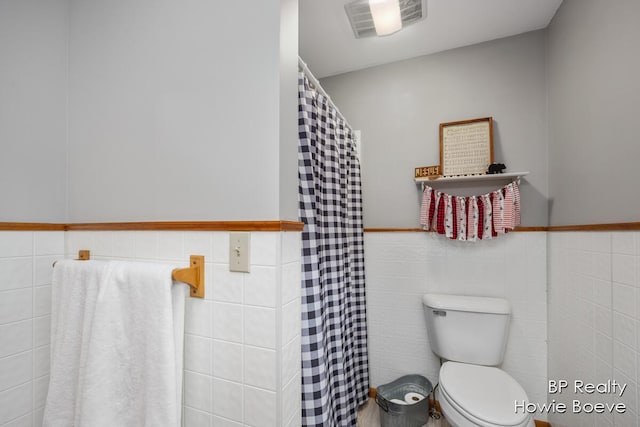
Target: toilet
(470, 335)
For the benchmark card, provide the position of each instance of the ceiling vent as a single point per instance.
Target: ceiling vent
(411, 11)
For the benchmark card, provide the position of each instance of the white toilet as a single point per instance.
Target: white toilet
(470, 333)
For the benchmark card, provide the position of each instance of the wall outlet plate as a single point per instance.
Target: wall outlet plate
(239, 252)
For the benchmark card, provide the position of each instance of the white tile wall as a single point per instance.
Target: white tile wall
(594, 320)
(260, 367)
(26, 260)
(401, 267)
(260, 407)
(242, 342)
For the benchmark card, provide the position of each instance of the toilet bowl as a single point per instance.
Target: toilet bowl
(470, 333)
(473, 395)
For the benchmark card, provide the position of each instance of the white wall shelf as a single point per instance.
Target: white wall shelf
(510, 176)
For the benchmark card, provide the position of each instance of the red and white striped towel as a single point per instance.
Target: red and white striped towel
(508, 207)
(516, 205)
(425, 219)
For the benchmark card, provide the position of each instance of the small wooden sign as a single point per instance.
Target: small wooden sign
(427, 172)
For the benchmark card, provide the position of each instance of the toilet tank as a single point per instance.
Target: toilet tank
(467, 329)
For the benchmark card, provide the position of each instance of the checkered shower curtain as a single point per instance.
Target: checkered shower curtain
(335, 368)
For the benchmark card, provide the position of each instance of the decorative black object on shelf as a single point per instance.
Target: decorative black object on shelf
(496, 168)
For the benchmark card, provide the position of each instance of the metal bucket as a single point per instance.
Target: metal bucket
(394, 414)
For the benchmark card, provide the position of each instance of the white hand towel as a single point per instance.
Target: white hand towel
(73, 299)
(130, 371)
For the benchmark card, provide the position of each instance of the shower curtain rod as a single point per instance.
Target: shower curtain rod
(305, 69)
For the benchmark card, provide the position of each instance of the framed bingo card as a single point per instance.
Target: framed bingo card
(466, 147)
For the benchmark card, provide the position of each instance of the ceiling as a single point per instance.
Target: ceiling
(328, 46)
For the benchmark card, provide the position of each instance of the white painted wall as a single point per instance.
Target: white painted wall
(151, 110)
(401, 267)
(33, 110)
(593, 91)
(288, 165)
(399, 106)
(174, 110)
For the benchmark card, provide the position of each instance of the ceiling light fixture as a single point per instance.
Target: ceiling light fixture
(360, 14)
(386, 16)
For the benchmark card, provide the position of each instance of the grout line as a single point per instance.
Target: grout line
(612, 302)
(243, 374)
(41, 376)
(17, 257)
(29, 414)
(228, 419)
(17, 354)
(17, 386)
(33, 323)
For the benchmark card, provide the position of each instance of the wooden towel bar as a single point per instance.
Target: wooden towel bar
(192, 275)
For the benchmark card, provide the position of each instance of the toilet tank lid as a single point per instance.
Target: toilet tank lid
(467, 303)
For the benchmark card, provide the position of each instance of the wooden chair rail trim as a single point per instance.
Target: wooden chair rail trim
(267, 226)
(420, 230)
(31, 226)
(616, 226)
(158, 226)
(191, 226)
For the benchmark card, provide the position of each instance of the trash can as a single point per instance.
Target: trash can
(404, 402)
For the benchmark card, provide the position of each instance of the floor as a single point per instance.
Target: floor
(369, 416)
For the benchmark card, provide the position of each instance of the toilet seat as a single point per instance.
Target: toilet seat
(484, 395)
